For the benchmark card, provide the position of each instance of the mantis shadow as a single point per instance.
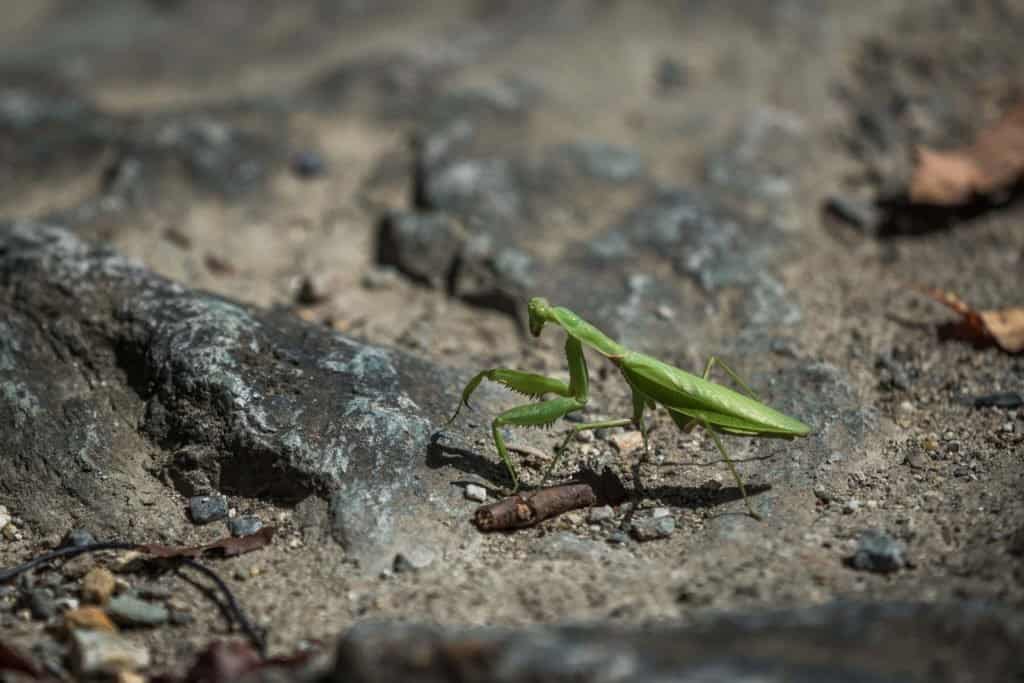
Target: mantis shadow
(608, 487)
(445, 455)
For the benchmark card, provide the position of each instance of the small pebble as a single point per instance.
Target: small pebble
(41, 603)
(618, 537)
(206, 509)
(585, 436)
(851, 506)
(131, 611)
(601, 513)
(476, 492)
(10, 533)
(98, 585)
(822, 494)
(5, 516)
(627, 442)
(180, 617)
(90, 617)
(383, 277)
(651, 528)
(308, 164)
(76, 538)
(66, 604)
(245, 525)
(879, 552)
(97, 652)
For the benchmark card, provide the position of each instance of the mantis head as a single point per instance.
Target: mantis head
(540, 313)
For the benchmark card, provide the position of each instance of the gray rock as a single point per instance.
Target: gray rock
(878, 552)
(129, 610)
(204, 373)
(842, 643)
(244, 525)
(206, 509)
(601, 513)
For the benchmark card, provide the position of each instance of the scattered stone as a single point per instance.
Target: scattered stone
(98, 585)
(315, 288)
(671, 76)
(414, 557)
(878, 552)
(601, 513)
(381, 277)
(424, 246)
(851, 506)
(66, 603)
(308, 164)
(97, 652)
(41, 603)
(585, 436)
(607, 162)
(124, 676)
(653, 527)
(5, 516)
(855, 212)
(627, 442)
(89, 617)
(245, 525)
(476, 492)
(10, 532)
(618, 537)
(180, 617)
(129, 610)
(822, 494)
(206, 509)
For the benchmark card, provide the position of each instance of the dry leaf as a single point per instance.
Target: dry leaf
(1003, 327)
(993, 163)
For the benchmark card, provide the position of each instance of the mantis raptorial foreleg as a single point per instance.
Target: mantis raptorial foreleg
(573, 397)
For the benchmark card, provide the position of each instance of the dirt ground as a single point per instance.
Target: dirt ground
(772, 109)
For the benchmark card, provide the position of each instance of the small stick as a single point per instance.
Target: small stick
(527, 509)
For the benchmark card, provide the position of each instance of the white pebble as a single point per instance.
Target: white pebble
(476, 492)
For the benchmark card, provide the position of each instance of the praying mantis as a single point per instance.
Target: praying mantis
(691, 401)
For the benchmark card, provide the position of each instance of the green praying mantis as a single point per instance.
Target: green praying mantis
(690, 400)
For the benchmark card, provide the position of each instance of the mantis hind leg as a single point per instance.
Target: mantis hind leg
(732, 468)
(713, 360)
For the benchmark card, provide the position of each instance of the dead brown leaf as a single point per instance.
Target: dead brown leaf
(993, 163)
(1004, 327)
(226, 547)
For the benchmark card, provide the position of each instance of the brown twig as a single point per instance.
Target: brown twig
(527, 509)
